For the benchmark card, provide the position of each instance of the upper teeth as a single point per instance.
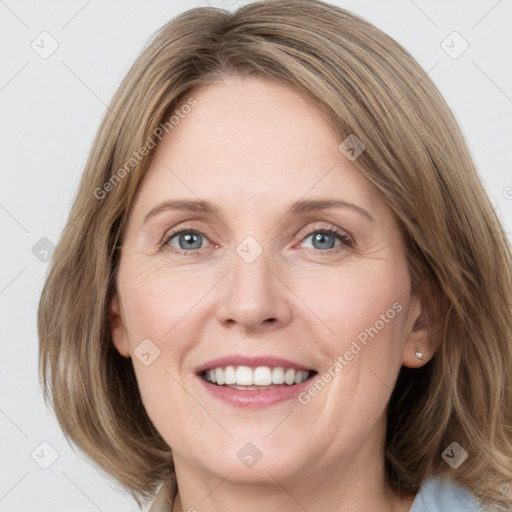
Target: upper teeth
(260, 376)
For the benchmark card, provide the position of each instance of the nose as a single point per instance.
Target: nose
(253, 296)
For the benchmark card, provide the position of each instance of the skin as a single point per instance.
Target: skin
(252, 147)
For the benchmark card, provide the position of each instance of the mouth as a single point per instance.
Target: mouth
(254, 381)
(259, 378)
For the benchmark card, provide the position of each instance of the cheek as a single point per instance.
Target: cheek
(156, 319)
(363, 321)
(161, 313)
(357, 303)
(156, 301)
(367, 312)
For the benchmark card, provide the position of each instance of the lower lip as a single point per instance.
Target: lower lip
(255, 398)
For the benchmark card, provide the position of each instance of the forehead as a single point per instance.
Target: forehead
(252, 142)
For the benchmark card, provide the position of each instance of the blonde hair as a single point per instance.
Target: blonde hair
(368, 85)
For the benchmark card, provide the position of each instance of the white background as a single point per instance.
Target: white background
(50, 111)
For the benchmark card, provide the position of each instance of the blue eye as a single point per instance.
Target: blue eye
(187, 240)
(325, 239)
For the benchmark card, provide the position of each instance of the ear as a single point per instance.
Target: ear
(119, 335)
(423, 335)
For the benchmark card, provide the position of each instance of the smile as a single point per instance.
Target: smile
(261, 377)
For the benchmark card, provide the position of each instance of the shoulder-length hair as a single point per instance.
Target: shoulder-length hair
(368, 85)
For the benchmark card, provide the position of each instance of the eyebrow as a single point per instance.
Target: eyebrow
(297, 208)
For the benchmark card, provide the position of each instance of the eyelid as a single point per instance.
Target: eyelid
(330, 228)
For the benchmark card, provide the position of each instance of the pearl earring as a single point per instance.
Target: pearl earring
(419, 355)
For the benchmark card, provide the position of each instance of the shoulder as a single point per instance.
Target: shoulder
(441, 494)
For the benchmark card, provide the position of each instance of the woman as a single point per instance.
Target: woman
(282, 285)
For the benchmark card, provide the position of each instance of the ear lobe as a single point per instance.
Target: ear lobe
(119, 336)
(423, 337)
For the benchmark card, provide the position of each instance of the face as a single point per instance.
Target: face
(264, 281)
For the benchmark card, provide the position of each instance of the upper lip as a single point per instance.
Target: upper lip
(251, 361)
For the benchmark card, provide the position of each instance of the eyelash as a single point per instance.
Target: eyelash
(346, 240)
